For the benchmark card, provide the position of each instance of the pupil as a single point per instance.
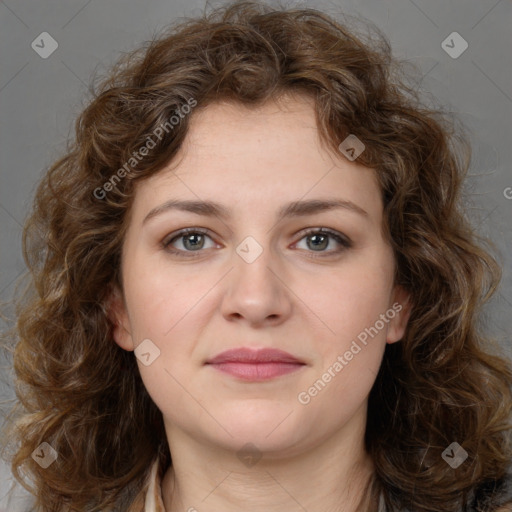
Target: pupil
(190, 239)
(317, 237)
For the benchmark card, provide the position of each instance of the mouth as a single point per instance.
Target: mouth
(255, 365)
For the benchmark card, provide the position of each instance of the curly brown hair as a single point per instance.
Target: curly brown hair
(81, 393)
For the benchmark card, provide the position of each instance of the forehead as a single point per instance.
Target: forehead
(259, 157)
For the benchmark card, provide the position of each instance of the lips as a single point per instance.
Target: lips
(255, 365)
(246, 355)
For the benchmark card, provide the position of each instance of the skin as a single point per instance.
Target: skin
(253, 161)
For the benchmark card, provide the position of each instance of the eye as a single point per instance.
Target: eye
(319, 239)
(192, 240)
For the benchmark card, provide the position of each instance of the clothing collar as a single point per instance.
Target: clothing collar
(154, 501)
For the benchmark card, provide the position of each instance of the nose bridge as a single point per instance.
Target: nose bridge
(252, 265)
(254, 291)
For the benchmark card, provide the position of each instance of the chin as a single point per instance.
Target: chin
(268, 430)
(257, 441)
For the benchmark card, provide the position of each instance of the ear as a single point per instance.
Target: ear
(117, 313)
(401, 304)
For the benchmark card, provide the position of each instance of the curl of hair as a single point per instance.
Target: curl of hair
(83, 394)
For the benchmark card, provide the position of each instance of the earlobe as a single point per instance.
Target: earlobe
(117, 314)
(401, 304)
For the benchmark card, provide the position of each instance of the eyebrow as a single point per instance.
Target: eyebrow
(293, 209)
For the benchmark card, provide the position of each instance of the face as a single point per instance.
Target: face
(258, 273)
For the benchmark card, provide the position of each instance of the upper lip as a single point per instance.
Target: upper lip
(247, 355)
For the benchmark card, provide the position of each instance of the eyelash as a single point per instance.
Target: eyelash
(345, 242)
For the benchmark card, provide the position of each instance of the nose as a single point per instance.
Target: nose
(257, 291)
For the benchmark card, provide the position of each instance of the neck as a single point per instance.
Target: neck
(331, 476)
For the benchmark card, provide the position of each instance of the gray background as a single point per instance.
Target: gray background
(39, 99)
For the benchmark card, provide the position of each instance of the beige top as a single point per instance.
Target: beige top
(153, 499)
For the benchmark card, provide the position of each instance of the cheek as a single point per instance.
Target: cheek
(165, 312)
(171, 309)
(161, 300)
(352, 343)
(349, 299)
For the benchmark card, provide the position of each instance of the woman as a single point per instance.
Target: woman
(255, 288)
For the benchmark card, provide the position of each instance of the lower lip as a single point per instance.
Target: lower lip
(257, 371)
